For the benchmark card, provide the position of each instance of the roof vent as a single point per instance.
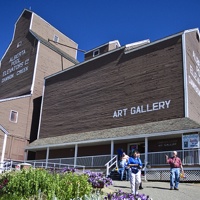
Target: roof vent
(136, 44)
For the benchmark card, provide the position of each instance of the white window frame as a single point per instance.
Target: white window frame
(94, 52)
(56, 38)
(16, 116)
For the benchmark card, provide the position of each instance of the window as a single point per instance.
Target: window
(96, 52)
(116, 46)
(56, 38)
(13, 116)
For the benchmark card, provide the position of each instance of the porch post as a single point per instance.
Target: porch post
(112, 149)
(47, 157)
(75, 154)
(25, 155)
(146, 157)
(3, 152)
(4, 147)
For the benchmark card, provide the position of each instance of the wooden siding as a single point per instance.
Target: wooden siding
(19, 133)
(49, 62)
(170, 144)
(193, 74)
(61, 153)
(17, 65)
(18, 146)
(23, 106)
(94, 150)
(85, 97)
(103, 49)
(40, 155)
(82, 151)
(46, 31)
(21, 55)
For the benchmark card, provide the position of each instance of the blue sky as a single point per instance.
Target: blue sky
(91, 23)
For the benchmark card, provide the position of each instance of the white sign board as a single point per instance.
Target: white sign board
(190, 141)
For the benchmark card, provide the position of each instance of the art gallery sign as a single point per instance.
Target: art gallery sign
(140, 109)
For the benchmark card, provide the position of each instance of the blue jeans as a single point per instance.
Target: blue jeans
(174, 177)
(127, 174)
(121, 172)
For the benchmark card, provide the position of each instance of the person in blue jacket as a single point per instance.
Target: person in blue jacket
(135, 165)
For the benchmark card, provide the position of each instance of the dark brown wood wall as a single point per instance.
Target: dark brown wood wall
(170, 144)
(18, 63)
(82, 151)
(86, 97)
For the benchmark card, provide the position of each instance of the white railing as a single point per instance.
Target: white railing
(93, 161)
(111, 163)
(188, 157)
(87, 161)
(55, 166)
(10, 165)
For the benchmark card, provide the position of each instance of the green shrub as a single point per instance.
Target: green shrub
(18, 185)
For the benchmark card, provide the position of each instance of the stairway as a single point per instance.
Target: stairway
(114, 175)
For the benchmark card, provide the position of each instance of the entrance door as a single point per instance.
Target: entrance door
(136, 146)
(132, 147)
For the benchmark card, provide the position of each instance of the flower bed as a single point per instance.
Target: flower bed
(65, 184)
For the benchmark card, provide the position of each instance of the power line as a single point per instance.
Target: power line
(66, 45)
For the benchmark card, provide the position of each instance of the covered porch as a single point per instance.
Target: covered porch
(98, 149)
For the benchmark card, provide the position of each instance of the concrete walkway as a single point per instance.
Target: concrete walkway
(160, 190)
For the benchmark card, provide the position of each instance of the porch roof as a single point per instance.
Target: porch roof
(166, 127)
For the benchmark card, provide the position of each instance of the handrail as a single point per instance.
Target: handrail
(154, 159)
(110, 163)
(60, 165)
(9, 165)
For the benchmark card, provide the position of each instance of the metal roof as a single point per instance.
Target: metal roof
(159, 128)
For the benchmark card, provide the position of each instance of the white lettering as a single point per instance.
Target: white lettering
(143, 108)
(148, 108)
(133, 111)
(16, 56)
(15, 62)
(22, 71)
(194, 75)
(155, 106)
(120, 113)
(194, 86)
(196, 59)
(26, 62)
(167, 103)
(7, 78)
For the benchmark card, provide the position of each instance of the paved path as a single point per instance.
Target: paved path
(160, 190)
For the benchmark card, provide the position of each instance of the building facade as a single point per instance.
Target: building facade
(143, 96)
(33, 53)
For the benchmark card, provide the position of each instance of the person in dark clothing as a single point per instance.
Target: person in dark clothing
(120, 153)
